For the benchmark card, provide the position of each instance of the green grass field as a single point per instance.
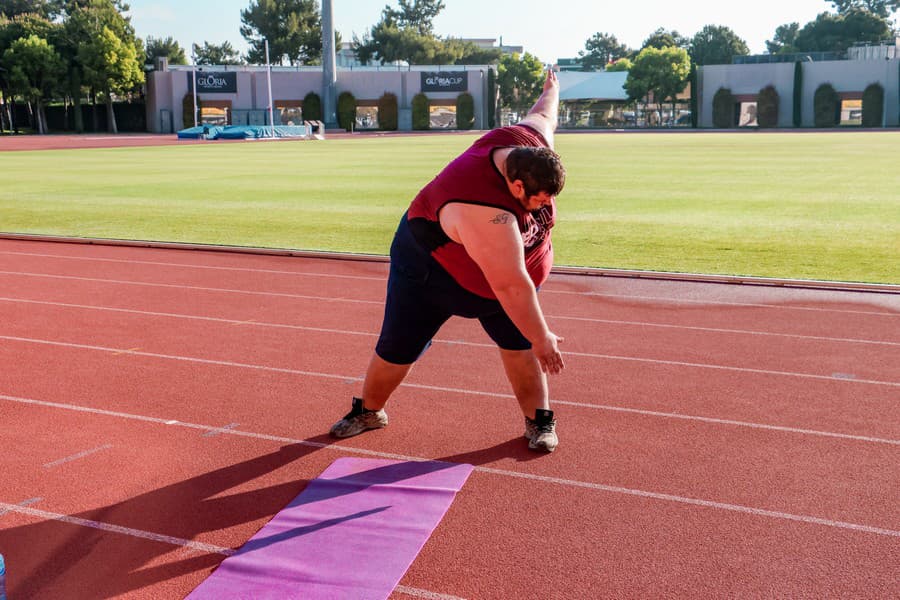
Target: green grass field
(793, 205)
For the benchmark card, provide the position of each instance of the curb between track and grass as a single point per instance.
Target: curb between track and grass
(883, 288)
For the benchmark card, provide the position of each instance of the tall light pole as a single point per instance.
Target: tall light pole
(329, 67)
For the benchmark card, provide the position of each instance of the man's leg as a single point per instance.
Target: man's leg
(382, 378)
(529, 385)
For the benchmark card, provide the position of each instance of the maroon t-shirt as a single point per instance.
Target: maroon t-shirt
(474, 179)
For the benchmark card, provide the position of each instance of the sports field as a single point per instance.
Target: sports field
(790, 205)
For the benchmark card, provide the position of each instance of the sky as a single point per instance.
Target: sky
(549, 30)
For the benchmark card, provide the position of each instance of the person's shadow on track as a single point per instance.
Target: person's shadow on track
(195, 506)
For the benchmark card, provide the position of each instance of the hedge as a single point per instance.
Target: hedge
(187, 110)
(723, 109)
(492, 102)
(421, 118)
(767, 107)
(465, 111)
(826, 106)
(312, 107)
(798, 94)
(346, 110)
(387, 112)
(873, 106)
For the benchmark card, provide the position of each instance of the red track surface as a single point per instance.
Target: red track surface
(716, 440)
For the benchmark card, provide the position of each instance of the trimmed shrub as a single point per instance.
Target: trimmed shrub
(421, 118)
(187, 110)
(873, 106)
(312, 107)
(723, 109)
(767, 107)
(492, 98)
(695, 112)
(346, 110)
(387, 112)
(465, 111)
(826, 106)
(798, 94)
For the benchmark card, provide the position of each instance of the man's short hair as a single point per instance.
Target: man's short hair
(540, 170)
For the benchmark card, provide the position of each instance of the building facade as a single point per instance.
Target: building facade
(239, 95)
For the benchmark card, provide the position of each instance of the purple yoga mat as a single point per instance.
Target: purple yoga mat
(351, 534)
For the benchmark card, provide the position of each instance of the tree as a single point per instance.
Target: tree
(406, 35)
(665, 39)
(293, 29)
(108, 51)
(417, 15)
(521, 80)
(623, 64)
(881, 8)
(216, 54)
(467, 53)
(34, 69)
(784, 40)
(836, 32)
(600, 50)
(167, 48)
(662, 73)
(43, 8)
(716, 45)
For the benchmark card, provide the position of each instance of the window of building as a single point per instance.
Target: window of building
(851, 112)
(442, 116)
(747, 116)
(213, 115)
(367, 117)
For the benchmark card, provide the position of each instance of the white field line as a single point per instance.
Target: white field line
(345, 377)
(192, 287)
(68, 459)
(348, 332)
(202, 267)
(469, 392)
(109, 527)
(168, 539)
(384, 279)
(501, 472)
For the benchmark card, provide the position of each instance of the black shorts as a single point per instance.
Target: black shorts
(422, 296)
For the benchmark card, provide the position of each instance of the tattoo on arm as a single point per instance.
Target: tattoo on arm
(500, 219)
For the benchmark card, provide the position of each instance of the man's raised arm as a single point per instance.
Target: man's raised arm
(543, 115)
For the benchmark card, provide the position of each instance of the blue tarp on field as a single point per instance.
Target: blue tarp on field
(244, 132)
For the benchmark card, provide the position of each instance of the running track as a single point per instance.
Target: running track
(159, 406)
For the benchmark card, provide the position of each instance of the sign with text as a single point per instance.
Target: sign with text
(445, 81)
(213, 83)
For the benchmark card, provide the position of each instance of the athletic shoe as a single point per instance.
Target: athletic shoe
(359, 419)
(541, 431)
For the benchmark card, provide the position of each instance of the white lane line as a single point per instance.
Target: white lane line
(699, 502)
(612, 357)
(253, 322)
(28, 502)
(723, 330)
(204, 267)
(669, 300)
(463, 391)
(675, 301)
(109, 527)
(168, 539)
(678, 363)
(250, 323)
(219, 430)
(74, 457)
(193, 287)
(424, 593)
(502, 472)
